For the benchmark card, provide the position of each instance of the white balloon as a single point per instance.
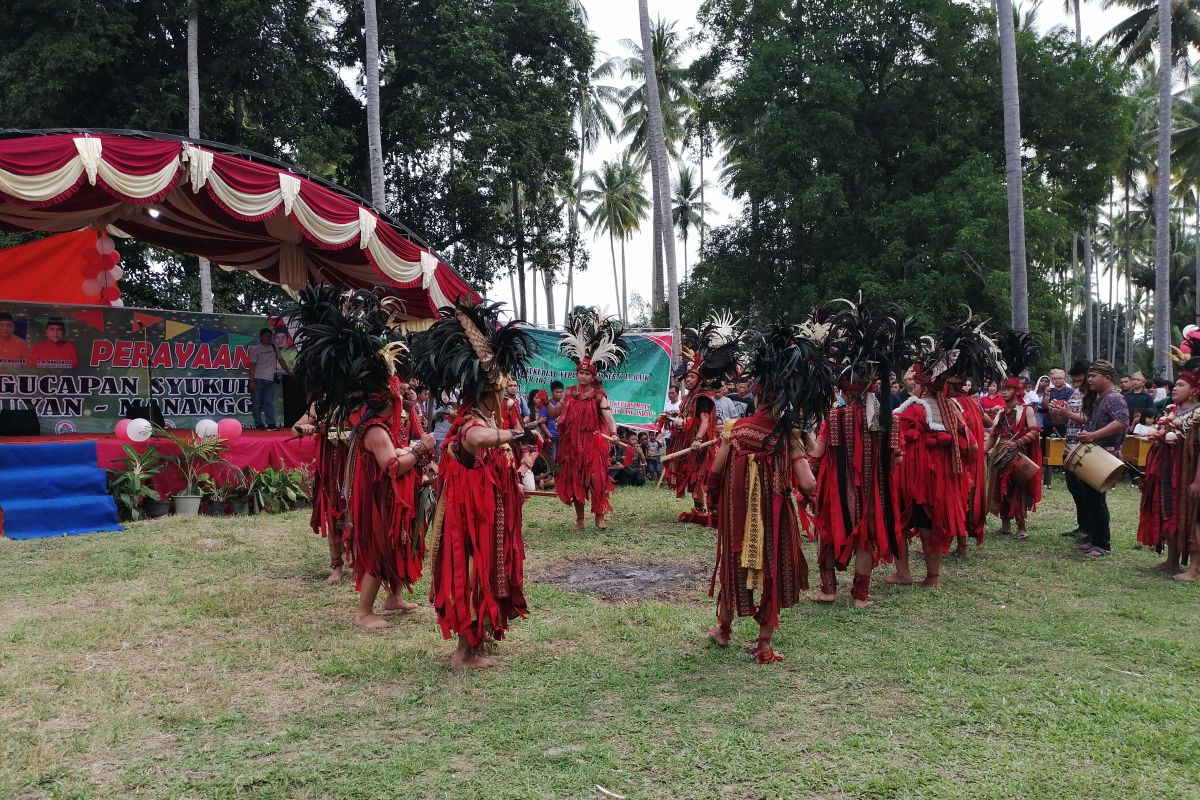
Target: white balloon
(139, 430)
(206, 429)
(114, 274)
(91, 286)
(105, 245)
(116, 303)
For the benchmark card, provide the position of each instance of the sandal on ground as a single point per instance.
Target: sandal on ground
(1022, 535)
(762, 652)
(1097, 552)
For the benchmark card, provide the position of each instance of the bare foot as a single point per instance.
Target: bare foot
(335, 575)
(961, 550)
(932, 582)
(469, 659)
(862, 603)
(1187, 576)
(395, 602)
(1021, 535)
(579, 524)
(370, 622)
(1165, 566)
(822, 597)
(719, 635)
(896, 580)
(601, 523)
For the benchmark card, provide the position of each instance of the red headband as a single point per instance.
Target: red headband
(1192, 379)
(1014, 383)
(587, 366)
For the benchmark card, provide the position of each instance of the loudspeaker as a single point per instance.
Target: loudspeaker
(19, 422)
(144, 410)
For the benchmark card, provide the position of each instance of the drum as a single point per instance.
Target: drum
(1026, 470)
(1095, 466)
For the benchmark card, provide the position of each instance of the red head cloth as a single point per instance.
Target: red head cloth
(1014, 383)
(920, 376)
(1192, 379)
(588, 366)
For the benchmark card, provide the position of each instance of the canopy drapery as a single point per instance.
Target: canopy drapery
(229, 207)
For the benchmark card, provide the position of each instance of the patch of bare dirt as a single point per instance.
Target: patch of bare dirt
(627, 580)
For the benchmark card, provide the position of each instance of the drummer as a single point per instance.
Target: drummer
(1105, 419)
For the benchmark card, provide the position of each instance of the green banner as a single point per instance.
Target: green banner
(637, 391)
(80, 367)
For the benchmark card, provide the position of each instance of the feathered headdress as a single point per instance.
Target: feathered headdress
(351, 351)
(961, 350)
(1019, 351)
(714, 351)
(864, 342)
(792, 375)
(470, 351)
(595, 342)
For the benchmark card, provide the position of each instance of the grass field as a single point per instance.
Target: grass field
(206, 659)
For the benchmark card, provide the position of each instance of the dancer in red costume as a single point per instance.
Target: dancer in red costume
(936, 447)
(710, 357)
(479, 552)
(760, 563)
(1158, 515)
(328, 504)
(585, 421)
(353, 362)
(857, 505)
(1014, 432)
(977, 507)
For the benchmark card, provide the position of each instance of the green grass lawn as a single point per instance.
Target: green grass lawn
(205, 658)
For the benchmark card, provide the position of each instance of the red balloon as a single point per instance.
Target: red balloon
(229, 428)
(111, 259)
(110, 293)
(120, 429)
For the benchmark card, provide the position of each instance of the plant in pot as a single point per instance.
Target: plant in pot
(273, 490)
(196, 455)
(130, 484)
(235, 485)
(214, 492)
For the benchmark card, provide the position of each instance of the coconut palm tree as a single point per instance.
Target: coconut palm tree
(193, 79)
(1162, 199)
(662, 188)
(688, 208)
(673, 89)
(593, 100)
(1019, 279)
(371, 68)
(1134, 36)
(1074, 5)
(618, 206)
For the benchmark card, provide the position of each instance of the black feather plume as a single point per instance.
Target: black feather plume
(1019, 351)
(446, 361)
(793, 376)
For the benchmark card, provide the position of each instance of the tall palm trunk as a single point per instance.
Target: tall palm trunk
(658, 297)
(1078, 23)
(1162, 197)
(624, 286)
(1019, 279)
(612, 249)
(1089, 304)
(548, 283)
(374, 137)
(519, 241)
(683, 235)
(702, 204)
(662, 188)
(1128, 258)
(578, 210)
(1196, 285)
(193, 79)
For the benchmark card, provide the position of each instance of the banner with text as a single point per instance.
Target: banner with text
(638, 390)
(80, 367)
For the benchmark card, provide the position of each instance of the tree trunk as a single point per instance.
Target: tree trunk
(1089, 306)
(1078, 23)
(1019, 280)
(657, 296)
(519, 241)
(1196, 284)
(548, 282)
(374, 138)
(624, 286)
(193, 79)
(683, 235)
(658, 153)
(576, 213)
(701, 197)
(1162, 197)
(612, 249)
(534, 280)
(1128, 257)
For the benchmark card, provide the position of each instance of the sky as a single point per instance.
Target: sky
(614, 20)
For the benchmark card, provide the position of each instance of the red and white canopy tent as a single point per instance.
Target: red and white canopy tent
(238, 209)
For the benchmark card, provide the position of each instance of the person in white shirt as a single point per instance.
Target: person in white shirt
(671, 409)
(264, 360)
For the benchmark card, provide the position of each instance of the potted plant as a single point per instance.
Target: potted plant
(214, 492)
(273, 490)
(196, 455)
(130, 484)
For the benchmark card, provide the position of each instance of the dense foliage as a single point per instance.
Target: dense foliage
(865, 142)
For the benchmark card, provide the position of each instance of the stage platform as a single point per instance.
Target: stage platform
(258, 449)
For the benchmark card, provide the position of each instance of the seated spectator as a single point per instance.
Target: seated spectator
(652, 446)
(1144, 424)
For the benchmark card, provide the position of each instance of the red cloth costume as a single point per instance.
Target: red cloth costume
(1008, 496)
(977, 509)
(855, 511)
(386, 539)
(478, 559)
(934, 476)
(1164, 489)
(760, 563)
(689, 472)
(329, 467)
(583, 451)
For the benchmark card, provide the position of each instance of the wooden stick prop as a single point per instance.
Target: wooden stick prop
(685, 451)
